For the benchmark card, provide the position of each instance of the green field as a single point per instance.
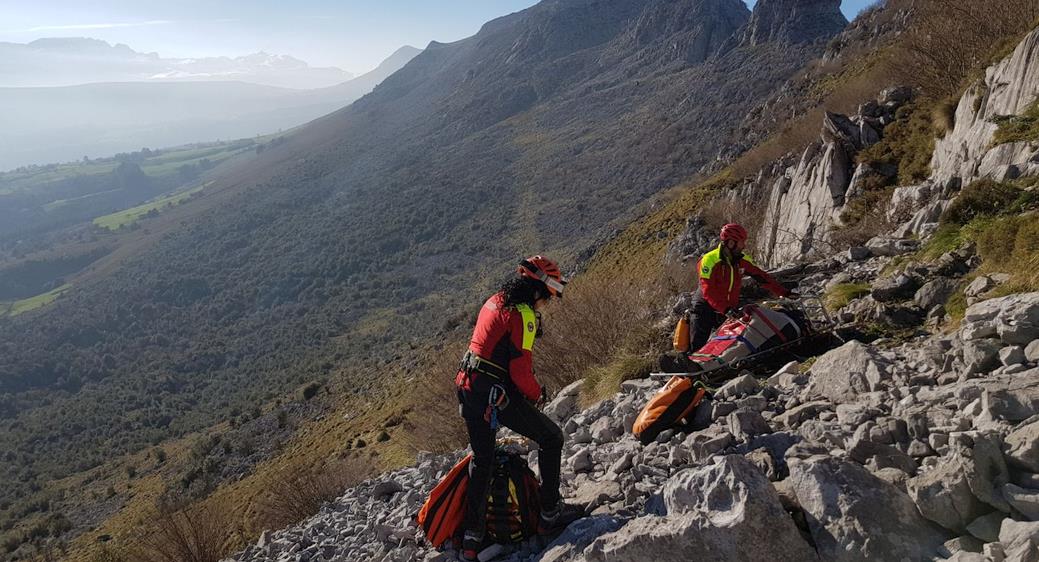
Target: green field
(115, 221)
(18, 180)
(17, 307)
(161, 162)
(53, 205)
(170, 163)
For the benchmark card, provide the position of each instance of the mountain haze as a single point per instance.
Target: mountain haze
(78, 60)
(55, 124)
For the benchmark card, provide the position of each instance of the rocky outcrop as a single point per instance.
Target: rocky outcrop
(805, 200)
(966, 152)
(793, 21)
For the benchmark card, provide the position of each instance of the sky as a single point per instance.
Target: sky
(354, 35)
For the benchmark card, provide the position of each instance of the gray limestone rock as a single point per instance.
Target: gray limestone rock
(842, 374)
(881, 456)
(576, 538)
(966, 152)
(1012, 355)
(980, 355)
(794, 416)
(564, 405)
(891, 289)
(979, 286)
(744, 424)
(593, 494)
(1032, 351)
(385, 489)
(1023, 447)
(1015, 401)
(855, 516)
(934, 292)
(944, 495)
(581, 461)
(1023, 500)
(1015, 534)
(986, 527)
(887, 246)
(739, 386)
(722, 512)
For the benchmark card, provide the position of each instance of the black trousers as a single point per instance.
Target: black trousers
(522, 417)
(702, 321)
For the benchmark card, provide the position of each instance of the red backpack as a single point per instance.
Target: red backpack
(442, 515)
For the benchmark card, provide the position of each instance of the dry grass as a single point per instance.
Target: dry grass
(604, 322)
(197, 534)
(728, 207)
(297, 492)
(435, 424)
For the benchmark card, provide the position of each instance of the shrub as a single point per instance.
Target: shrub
(952, 39)
(863, 218)
(948, 237)
(435, 399)
(908, 144)
(601, 382)
(943, 116)
(981, 198)
(727, 207)
(308, 391)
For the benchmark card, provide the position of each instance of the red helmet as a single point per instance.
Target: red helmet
(733, 231)
(544, 270)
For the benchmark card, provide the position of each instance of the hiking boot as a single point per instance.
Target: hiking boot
(471, 547)
(558, 518)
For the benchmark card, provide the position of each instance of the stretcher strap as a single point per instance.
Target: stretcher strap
(757, 312)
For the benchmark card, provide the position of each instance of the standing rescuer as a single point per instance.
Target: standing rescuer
(496, 385)
(720, 273)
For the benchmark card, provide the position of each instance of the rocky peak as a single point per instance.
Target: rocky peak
(793, 21)
(693, 30)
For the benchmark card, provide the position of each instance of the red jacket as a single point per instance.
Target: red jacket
(505, 337)
(720, 281)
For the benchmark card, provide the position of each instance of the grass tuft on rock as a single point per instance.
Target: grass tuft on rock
(1018, 128)
(840, 295)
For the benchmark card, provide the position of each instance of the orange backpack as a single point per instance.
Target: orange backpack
(442, 515)
(672, 404)
(680, 341)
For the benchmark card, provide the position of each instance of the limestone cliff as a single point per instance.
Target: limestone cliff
(966, 153)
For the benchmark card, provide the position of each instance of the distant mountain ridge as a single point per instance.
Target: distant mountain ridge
(44, 125)
(61, 61)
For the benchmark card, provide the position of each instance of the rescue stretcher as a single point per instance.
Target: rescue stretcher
(715, 363)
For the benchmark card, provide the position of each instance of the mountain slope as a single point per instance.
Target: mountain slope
(368, 233)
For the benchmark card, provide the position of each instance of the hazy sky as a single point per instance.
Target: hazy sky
(354, 35)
